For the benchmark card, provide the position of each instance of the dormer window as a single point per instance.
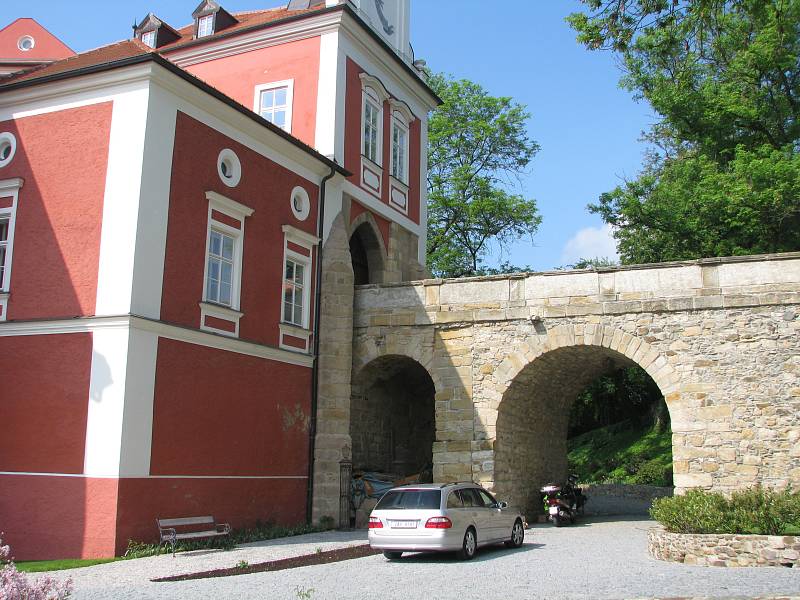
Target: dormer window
(210, 18)
(149, 38)
(205, 26)
(154, 33)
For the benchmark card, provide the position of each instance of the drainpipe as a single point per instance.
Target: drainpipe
(312, 430)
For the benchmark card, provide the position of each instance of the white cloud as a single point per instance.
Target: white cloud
(590, 242)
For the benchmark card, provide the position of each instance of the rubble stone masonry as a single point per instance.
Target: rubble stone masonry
(508, 355)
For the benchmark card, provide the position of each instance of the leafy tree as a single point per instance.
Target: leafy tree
(598, 262)
(724, 76)
(477, 145)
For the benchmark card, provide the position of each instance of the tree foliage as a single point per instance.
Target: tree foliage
(477, 144)
(724, 77)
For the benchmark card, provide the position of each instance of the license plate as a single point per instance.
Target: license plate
(403, 524)
(553, 510)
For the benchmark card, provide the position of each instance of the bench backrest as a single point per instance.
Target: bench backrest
(185, 521)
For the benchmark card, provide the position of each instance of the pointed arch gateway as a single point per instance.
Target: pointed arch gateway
(537, 385)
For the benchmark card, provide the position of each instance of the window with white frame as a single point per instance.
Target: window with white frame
(9, 197)
(273, 101)
(149, 38)
(222, 281)
(298, 250)
(205, 26)
(220, 267)
(294, 290)
(399, 150)
(371, 126)
(5, 226)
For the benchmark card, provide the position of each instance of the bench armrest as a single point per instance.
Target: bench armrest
(223, 528)
(167, 533)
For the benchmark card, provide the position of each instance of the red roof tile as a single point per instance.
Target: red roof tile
(92, 58)
(246, 20)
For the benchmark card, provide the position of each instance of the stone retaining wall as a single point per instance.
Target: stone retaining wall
(619, 499)
(719, 550)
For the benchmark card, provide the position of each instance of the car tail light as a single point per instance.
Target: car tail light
(375, 523)
(438, 523)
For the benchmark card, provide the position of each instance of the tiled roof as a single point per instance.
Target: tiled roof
(92, 58)
(247, 20)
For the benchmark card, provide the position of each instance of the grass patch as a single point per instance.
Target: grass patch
(622, 453)
(37, 566)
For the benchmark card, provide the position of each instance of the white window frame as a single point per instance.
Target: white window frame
(239, 212)
(148, 38)
(289, 85)
(308, 242)
(202, 31)
(373, 93)
(401, 126)
(298, 260)
(9, 188)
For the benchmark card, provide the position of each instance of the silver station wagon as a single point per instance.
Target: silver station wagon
(445, 517)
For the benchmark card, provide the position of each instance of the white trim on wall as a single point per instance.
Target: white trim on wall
(330, 85)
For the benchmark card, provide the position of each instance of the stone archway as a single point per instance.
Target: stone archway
(392, 416)
(367, 250)
(537, 385)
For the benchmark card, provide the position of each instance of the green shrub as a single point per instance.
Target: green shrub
(653, 472)
(756, 510)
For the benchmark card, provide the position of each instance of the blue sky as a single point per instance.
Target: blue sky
(587, 126)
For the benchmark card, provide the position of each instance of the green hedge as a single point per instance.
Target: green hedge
(757, 510)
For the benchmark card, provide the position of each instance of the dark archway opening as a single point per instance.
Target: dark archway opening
(392, 418)
(366, 256)
(548, 400)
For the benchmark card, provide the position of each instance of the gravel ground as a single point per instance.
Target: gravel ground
(597, 558)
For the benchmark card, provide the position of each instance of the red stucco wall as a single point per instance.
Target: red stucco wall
(237, 76)
(46, 517)
(248, 416)
(44, 397)
(63, 158)
(266, 187)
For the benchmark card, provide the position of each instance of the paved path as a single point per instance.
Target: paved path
(599, 558)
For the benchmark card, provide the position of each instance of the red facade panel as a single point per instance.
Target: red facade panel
(221, 413)
(239, 502)
(266, 187)
(60, 211)
(239, 75)
(45, 394)
(58, 517)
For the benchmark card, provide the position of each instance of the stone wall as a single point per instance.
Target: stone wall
(717, 550)
(509, 354)
(619, 499)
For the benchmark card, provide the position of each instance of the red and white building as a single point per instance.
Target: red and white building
(165, 203)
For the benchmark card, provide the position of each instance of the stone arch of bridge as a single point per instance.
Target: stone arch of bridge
(392, 416)
(535, 387)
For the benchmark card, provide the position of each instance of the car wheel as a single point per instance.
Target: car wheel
(392, 555)
(469, 546)
(517, 535)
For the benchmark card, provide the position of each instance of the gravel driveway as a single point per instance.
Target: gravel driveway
(597, 558)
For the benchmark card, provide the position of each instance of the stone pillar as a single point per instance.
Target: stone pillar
(333, 442)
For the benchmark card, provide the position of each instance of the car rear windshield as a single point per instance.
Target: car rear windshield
(410, 499)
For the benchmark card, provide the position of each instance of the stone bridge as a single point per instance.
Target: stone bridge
(478, 375)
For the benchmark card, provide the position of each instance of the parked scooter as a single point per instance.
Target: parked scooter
(563, 503)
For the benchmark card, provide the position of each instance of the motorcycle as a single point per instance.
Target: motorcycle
(563, 503)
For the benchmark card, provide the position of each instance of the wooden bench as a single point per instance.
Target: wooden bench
(167, 529)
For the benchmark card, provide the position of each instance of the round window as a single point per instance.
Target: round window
(8, 147)
(26, 43)
(300, 203)
(229, 168)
